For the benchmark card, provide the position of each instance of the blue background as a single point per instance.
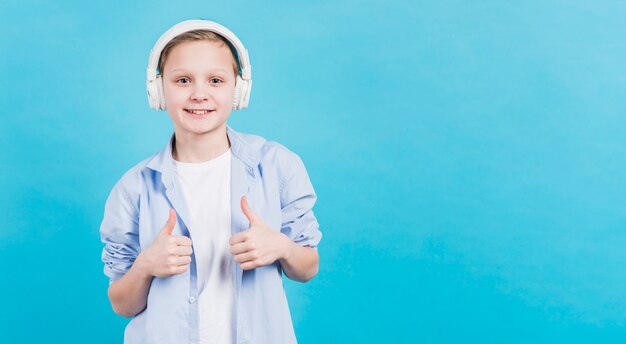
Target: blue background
(469, 158)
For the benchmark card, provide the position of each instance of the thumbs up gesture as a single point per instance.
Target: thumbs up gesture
(258, 245)
(168, 254)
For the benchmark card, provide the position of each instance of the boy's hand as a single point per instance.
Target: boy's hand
(169, 254)
(258, 245)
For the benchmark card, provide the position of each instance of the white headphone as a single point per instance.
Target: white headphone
(154, 82)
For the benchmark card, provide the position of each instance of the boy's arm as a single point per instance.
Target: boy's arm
(299, 225)
(120, 234)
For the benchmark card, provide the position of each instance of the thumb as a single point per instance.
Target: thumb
(250, 214)
(169, 225)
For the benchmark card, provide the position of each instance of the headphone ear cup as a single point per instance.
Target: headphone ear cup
(238, 94)
(155, 94)
(160, 93)
(245, 94)
(152, 94)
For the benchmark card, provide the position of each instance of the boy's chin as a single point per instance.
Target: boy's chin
(202, 130)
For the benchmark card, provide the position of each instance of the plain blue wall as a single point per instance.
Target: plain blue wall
(469, 158)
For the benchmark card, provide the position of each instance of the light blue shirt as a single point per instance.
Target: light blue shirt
(277, 187)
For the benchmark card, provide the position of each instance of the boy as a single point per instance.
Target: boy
(197, 237)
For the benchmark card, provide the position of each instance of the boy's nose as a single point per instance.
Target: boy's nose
(200, 94)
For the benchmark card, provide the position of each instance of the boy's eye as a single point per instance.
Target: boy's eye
(215, 80)
(183, 81)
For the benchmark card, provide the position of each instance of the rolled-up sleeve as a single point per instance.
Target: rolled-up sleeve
(297, 201)
(119, 233)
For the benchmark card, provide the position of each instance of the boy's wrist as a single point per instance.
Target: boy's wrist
(140, 266)
(287, 247)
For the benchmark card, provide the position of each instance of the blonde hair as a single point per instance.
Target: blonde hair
(193, 36)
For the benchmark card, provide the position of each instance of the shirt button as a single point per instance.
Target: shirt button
(192, 299)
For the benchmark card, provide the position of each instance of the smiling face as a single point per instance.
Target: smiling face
(198, 85)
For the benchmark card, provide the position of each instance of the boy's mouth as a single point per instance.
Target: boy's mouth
(198, 112)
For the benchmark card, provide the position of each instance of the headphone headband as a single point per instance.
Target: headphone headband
(154, 82)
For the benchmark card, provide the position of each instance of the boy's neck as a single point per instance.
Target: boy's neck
(200, 148)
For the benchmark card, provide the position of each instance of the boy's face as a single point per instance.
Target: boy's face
(198, 85)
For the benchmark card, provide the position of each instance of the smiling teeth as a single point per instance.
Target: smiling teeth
(199, 112)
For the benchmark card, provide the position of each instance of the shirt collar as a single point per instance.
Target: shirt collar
(244, 147)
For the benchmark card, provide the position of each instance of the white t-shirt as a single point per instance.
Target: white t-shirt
(206, 189)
